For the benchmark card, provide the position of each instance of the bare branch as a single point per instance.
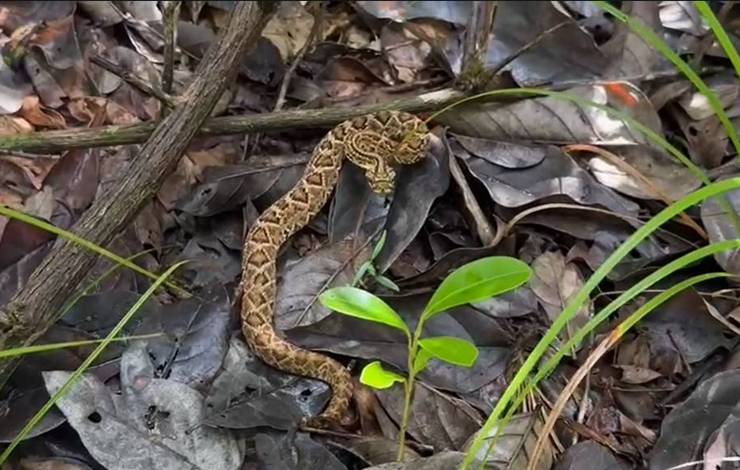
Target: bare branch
(36, 307)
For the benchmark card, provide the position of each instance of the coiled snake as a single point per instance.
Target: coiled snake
(375, 143)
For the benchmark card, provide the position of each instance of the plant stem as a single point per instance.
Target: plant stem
(407, 387)
(408, 392)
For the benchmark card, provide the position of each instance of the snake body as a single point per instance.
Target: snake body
(375, 143)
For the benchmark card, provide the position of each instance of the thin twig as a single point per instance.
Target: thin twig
(540, 37)
(29, 156)
(557, 205)
(143, 25)
(431, 83)
(133, 80)
(647, 184)
(171, 16)
(484, 229)
(315, 29)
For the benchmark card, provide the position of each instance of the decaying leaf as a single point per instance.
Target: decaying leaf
(686, 431)
(248, 394)
(303, 280)
(435, 419)
(515, 444)
(555, 282)
(556, 120)
(145, 405)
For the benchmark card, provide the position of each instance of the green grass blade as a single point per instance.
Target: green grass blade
(656, 301)
(86, 363)
(8, 353)
(625, 297)
(582, 296)
(652, 39)
(607, 344)
(631, 293)
(87, 290)
(40, 224)
(720, 33)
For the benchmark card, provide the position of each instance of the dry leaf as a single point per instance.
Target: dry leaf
(38, 115)
(289, 28)
(34, 169)
(10, 125)
(555, 283)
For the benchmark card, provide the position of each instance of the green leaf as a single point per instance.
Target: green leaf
(378, 246)
(477, 281)
(358, 303)
(421, 360)
(387, 283)
(450, 349)
(360, 273)
(373, 375)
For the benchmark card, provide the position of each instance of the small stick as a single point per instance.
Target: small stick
(484, 229)
(513, 56)
(133, 80)
(318, 20)
(171, 15)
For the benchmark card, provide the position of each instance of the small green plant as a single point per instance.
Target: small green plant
(522, 383)
(368, 268)
(473, 282)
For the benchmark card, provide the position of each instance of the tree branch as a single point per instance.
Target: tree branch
(106, 136)
(36, 307)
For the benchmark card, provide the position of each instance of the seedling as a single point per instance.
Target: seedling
(473, 282)
(368, 268)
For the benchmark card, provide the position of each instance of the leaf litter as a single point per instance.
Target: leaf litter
(562, 185)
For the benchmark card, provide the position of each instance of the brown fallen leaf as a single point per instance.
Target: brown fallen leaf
(554, 283)
(10, 125)
(35, 170)
(289, 28)
(86, 109)
(41, 116)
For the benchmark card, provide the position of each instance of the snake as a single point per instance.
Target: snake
(376, 143)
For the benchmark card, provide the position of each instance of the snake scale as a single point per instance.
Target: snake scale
(376, 143)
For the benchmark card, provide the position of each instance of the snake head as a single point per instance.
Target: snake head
(376, 143)
(413, 148)
(414, 142)
(382, 178)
